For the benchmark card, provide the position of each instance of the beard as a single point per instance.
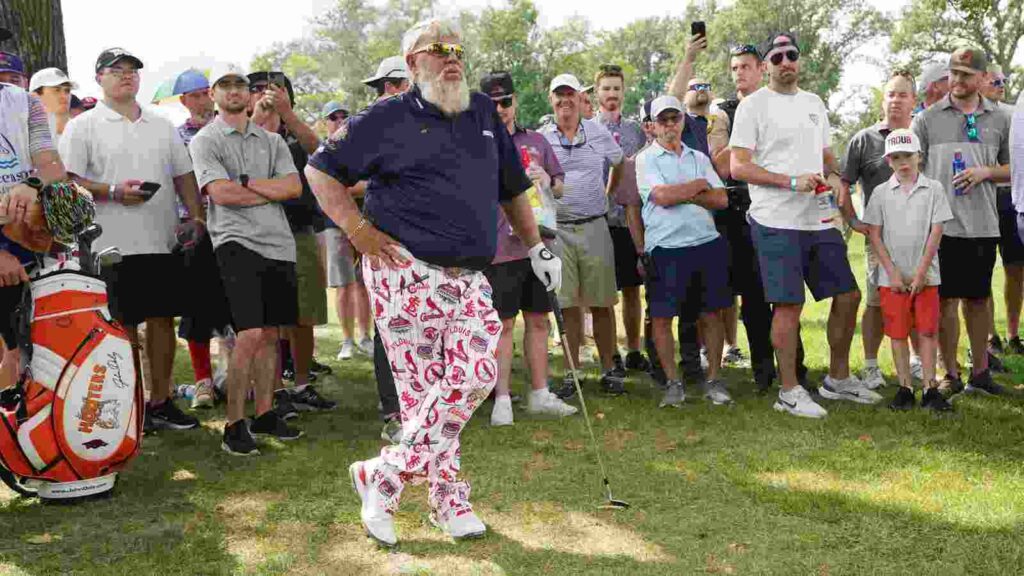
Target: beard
(450, 96)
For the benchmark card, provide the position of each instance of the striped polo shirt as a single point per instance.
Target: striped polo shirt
(583, 161)
(942, 129)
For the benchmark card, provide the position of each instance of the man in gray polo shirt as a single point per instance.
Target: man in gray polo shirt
(865, 165)
(247, 173)
(966, 124)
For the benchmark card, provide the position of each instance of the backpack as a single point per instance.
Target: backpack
(75, 417)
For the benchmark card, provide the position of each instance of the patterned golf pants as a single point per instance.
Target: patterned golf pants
(440, 331)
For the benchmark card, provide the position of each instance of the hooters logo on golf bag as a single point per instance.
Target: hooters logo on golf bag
(79, 418)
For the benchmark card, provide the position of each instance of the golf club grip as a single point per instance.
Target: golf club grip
(557, 311)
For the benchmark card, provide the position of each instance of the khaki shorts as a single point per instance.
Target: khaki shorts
(588, 265)
(871, 287)
(312, 285)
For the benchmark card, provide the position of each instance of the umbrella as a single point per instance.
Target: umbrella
(187, 81)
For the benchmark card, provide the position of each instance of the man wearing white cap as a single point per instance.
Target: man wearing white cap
(688, 272)
(247, 172)
(584, 148)
(135, 165)
(438, 163)
(54, 88)
(933, 84)
(392, 77)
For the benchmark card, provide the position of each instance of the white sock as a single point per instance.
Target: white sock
(871, 363)
(538, 395)
(505, 398)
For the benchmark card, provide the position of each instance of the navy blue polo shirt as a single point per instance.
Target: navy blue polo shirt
(434, 182)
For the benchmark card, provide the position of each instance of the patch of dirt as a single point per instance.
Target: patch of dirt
(536, 464)
(715, 566)
(662, 442)
(616, 440)
(573, 445)
(541, 436)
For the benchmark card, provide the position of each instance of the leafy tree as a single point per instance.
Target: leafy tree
(38, 33)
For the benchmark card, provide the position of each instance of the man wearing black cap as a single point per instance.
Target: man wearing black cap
(113, 152)
(515, 286)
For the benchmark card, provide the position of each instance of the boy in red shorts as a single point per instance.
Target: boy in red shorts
(905, 215)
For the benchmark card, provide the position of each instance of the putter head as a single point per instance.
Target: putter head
(107, 257)
(612, 504)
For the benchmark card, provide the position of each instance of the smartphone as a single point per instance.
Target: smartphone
(276, 78)
(148, 189)
(698, 28)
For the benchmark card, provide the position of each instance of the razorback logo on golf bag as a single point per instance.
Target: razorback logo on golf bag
(79, 417)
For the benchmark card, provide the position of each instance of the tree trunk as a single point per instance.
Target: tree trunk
(38, 33)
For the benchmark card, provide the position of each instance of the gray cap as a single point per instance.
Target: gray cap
(930, 73)
(390, 67)
(662, 103)
(332, 107)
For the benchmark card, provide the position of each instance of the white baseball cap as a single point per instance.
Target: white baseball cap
(390, 67)
(222, 70)
(48, 77)
(567, 80)
(901, 140)
(932, 73)
(662, 103)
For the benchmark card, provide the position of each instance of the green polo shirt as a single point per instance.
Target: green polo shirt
(942, 130)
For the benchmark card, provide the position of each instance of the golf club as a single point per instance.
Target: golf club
(610, 502)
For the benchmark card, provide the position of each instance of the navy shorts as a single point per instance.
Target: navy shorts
(689, 281)
(790, 258)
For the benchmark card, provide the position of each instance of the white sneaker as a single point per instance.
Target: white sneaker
(501, 415)
(366, 346)
(461, 524)
(715, 391)
(589, 355)
(916, 369)
(549, 404)
(799, 403)
(704, 362)
(204, 394)
(871, 377)
(374, 513)
(347, 350)
(850, 389)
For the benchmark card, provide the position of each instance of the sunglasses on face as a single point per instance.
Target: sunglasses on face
(443, 50)
(337, 117)
(792, 55)
(256, 88)
(999, 83)
(503, 102)
(669, 119)
(972, 127)
(744, 49)
(699, 88)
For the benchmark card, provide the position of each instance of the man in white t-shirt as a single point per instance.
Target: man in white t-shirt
(780, 144)
(134, 163)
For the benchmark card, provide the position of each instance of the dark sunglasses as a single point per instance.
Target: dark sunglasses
(337, 116)
(699, 87)
(565, 144)
(503, 102)
(972, 127)
(444, 49)
(999, 83)
(742, 49)
(792, 55)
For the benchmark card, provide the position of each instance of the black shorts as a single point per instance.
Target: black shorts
(10, 299)
(515, 287)
(261, 292)
(146, 286)
(1011, 249)
(966, 266)
(208, 309)
(626, 275)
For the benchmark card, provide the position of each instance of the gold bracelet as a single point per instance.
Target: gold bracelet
(359, 228)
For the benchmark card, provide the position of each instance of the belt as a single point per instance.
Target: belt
(581, 220)
(451, 271)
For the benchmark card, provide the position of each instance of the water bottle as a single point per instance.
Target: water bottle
(958, 166)
(186, 391)
(524, 156)
(826, 202)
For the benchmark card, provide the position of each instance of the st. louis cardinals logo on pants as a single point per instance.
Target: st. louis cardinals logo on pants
(440, 331)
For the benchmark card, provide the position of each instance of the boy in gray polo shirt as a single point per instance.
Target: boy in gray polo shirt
(905, 217)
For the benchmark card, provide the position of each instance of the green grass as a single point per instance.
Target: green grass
(722, 491)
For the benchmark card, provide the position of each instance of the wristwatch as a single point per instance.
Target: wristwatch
(244, 180)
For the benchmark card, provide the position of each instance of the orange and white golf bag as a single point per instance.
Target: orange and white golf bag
(75, 418)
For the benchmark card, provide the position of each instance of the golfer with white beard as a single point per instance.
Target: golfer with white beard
(439, 165)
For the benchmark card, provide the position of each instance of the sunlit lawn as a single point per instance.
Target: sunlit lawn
(724, 491)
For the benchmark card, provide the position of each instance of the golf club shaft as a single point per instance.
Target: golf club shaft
(560, 323)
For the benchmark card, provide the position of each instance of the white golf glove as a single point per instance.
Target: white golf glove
(546, 266)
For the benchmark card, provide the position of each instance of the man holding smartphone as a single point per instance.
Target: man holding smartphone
(134, 162)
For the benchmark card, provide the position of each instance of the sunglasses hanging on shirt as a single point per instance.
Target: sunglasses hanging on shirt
(971, 127)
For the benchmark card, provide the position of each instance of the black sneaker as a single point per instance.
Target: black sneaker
(167, 415)
(612, 383)
(951, 385)
(288, 373)
(283, 404)
(933, 400)
(567, 389)
(617, 362)
(983, 383)
(270, 424)
(319, 369)
(238, 440)
(996, 365)
(635, 360)
(309, 400)
(904, 399)
(148, 427)
(995, 344)
(1014, 346)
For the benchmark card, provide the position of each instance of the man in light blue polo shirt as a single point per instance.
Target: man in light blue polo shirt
(688, 273)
